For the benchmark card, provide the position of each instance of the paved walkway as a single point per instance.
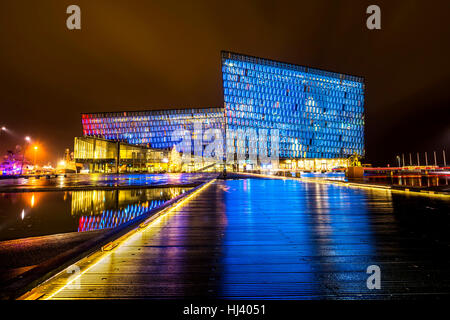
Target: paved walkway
(281, 239)
(73, 182)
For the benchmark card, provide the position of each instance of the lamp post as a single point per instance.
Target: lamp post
(35, 150)
(398, 158)
(3, 129)
(28, 140)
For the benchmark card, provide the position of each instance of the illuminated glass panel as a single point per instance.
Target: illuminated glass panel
(319, 114)
(150, 128)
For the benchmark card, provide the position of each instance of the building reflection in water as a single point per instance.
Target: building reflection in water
(102, 209)
(32, 214)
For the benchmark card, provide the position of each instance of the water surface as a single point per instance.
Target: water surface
(32, 214)
(283, 239)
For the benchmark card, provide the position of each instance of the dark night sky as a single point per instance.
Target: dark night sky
(133, 55)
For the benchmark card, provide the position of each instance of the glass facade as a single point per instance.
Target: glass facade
(318, 114)
(104, 156)
(149, 128)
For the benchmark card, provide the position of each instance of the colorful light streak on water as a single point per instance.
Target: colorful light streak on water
(24, 215)
(113, 218)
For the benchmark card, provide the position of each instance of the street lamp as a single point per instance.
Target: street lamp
(27, 139)
(35, 150)
(398, 158)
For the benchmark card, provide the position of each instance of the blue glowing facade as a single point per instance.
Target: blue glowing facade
(319, 114)
(149, 128)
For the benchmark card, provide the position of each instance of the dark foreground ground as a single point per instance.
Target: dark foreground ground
(25, 260)
(20, 255)
(278, 239)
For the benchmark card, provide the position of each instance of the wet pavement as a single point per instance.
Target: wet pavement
(103, 181)
(32, 214)
(279, 239)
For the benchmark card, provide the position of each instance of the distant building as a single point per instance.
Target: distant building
(100, 155)
(318, 115)
(11, 163)
(15, 163)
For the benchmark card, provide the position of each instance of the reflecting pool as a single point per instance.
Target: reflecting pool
(43, 213)
(288, 239)
(282, 239)
(106, 180)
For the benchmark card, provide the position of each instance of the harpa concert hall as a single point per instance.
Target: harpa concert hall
(317, 114)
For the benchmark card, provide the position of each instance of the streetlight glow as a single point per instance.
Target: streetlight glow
(27, 139)
(35, 151)
(3, 128)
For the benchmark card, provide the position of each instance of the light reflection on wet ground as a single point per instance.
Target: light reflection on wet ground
(306, 240)
(107, 180)
(45, 213)
(283, 239)
(397, 180)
